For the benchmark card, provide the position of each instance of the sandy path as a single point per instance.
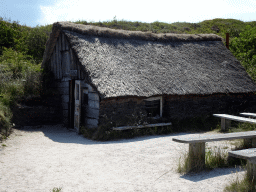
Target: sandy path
(39, 159)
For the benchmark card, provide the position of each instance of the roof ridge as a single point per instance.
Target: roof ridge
(138, 35)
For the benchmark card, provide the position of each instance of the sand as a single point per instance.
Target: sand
(47, 157)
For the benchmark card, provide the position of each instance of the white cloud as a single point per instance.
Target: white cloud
(146, 11)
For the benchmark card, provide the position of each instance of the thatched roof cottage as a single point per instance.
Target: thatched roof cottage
(131, 77)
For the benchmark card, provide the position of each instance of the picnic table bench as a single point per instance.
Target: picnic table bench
(197, 144)
(226, 120)
(249, 114)
(250, 156)
(141, 126)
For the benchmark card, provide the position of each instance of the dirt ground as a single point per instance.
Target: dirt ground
(42, 158)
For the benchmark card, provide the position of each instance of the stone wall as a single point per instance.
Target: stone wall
(122, 111)
(181, 107)
(38, 111)
(131, 111)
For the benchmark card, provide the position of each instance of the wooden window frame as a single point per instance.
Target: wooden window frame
(161, 103)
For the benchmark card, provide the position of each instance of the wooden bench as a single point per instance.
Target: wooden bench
(249, 114)
(141, 126)
(197, 144)
(250, 156)
(226, 120)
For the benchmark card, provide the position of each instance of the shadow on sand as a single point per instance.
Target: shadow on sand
(58, 133)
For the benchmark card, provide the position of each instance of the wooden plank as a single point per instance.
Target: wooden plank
(63, 84)
(73, 73)
(248, 154)
(68, 60)
(52, 69)
(141, 126)
(65, 113)
(93, 96)
(54, 65)
(91, 123)
(235, 118)
(249, 114)
(65, 98)
(63, 63)
(196, 161)
(59, 55)
(64, 90)
(225, 123)
(79, 70)
(92, 113)
(66, 43)
(71, 60)
(215, 137)
(93, 104)
(57, 60)
(65, 105)
(63, 46)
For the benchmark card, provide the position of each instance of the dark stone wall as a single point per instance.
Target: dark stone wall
(38, 111)
(131, 111)
(120, 112)
(181, 107)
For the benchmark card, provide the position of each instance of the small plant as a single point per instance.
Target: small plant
(214, 158)
(4, 145)
(183, 164)
(241, 185)
(55, 189)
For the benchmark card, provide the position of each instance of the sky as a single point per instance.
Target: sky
(37, 12)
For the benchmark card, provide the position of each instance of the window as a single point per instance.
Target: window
(154, 107)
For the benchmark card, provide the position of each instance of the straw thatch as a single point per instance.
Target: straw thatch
(124, 63)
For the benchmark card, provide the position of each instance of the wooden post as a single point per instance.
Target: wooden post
(251, 170)
(250, 143)
(59, 58)
(196, 156)
(227, 40)
(63, 47)
(225, 123)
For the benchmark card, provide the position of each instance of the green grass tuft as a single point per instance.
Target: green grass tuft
(55, 189)
(241, 185)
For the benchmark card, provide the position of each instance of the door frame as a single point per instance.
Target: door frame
(78, 101)
(71, 106)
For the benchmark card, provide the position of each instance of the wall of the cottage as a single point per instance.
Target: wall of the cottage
(131, 111)
(122, 111)
(90, 106)
(181, 107)
(65, 67)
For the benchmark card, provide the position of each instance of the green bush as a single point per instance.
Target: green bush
(244, 49)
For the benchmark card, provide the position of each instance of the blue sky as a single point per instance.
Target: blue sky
(36, 12)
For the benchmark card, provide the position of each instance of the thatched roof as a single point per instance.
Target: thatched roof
(126, 63)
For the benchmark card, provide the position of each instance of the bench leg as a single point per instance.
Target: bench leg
(248, 143)
(196, 156)
(251, 170)
(225, 123)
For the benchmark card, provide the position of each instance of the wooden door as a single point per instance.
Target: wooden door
(77, 114)
(71, 108)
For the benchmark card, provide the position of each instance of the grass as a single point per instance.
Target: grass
(55, 189)
(215, 157)
(241, 185)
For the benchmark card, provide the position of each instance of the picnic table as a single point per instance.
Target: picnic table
(250, 156)
(226, 119)
(197, 144)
